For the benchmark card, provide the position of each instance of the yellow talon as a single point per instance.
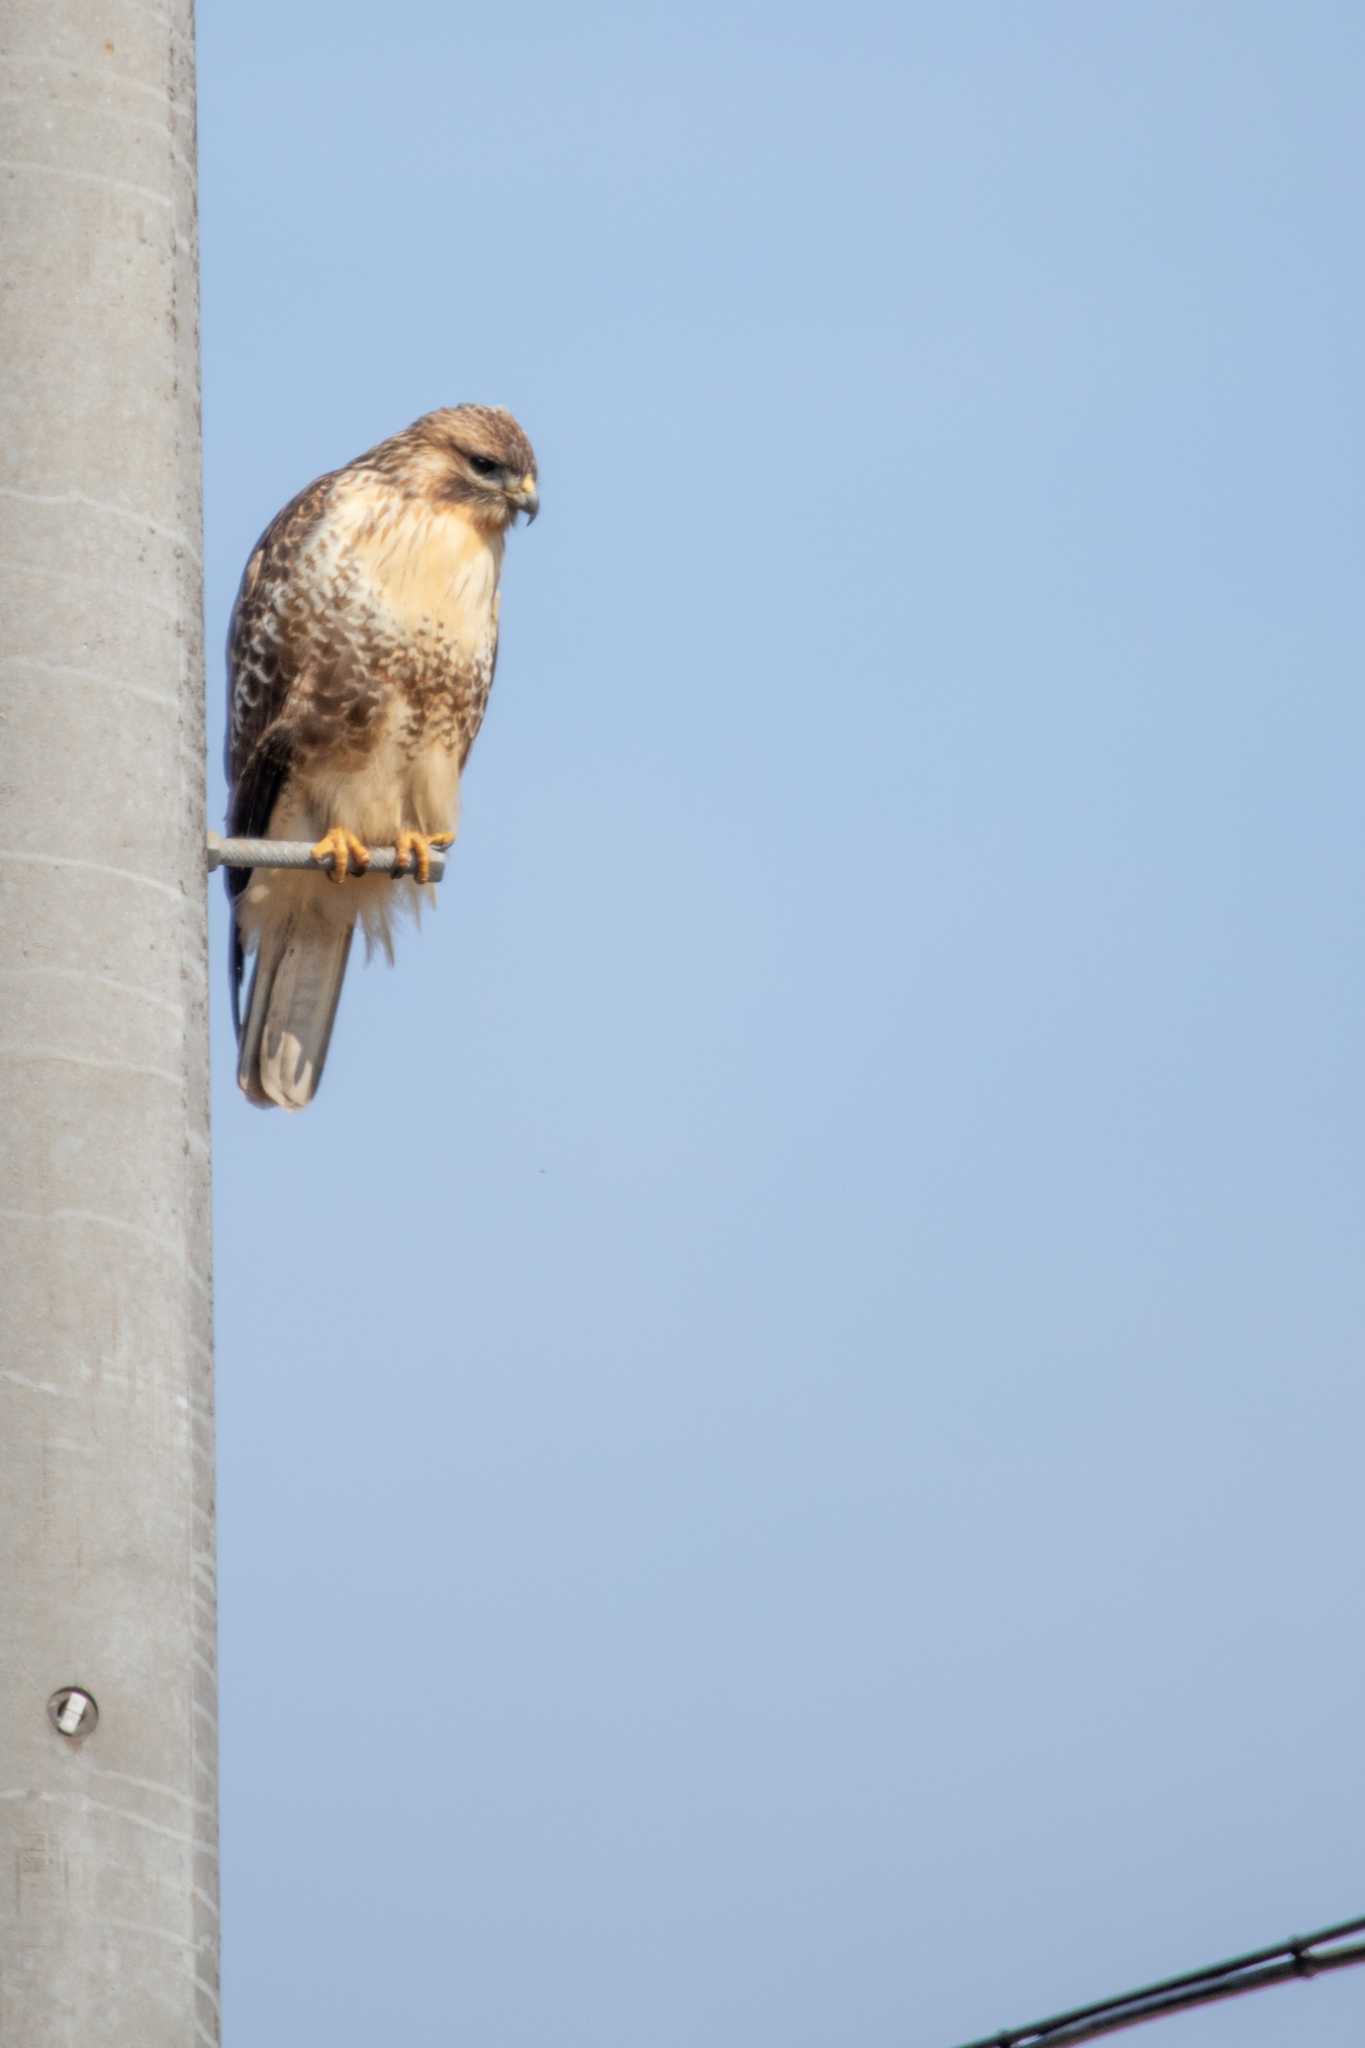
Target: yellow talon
(347, 854)
(415, 847)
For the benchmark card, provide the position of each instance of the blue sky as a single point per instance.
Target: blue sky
(790, 1417)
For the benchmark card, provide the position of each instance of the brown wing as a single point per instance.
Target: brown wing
(483, 690)
(261, 673)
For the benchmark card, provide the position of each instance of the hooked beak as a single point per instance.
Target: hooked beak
(526, 498)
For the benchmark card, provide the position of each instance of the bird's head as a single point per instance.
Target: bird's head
(475, 456)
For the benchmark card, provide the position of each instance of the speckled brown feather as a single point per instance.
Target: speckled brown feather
(261, 673)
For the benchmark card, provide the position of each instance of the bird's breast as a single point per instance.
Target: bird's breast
(396, 630)
(429, 574)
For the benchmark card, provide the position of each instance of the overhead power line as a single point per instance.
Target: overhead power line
(1305, 1955)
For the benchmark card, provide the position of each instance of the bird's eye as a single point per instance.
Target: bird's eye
(481, 465)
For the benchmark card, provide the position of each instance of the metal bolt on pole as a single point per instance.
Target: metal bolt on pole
(108, 1880)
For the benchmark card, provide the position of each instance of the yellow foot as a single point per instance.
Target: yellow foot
(415, 847)
(347, 854)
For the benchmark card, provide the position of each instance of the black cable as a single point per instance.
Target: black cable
(1251, 1972)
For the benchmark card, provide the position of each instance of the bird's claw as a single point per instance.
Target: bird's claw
(341, 853)
(412, 853)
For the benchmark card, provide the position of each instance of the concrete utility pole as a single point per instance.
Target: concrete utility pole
(108, 1880)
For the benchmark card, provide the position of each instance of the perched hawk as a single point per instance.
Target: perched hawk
(360, 657)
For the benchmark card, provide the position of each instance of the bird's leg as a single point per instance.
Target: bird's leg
(348, 854)
(415, 847)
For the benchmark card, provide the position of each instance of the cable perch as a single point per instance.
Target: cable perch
(297, 853)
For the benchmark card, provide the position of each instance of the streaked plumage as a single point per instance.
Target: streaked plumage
(360, 658)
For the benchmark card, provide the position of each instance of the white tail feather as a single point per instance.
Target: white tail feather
(300, 966)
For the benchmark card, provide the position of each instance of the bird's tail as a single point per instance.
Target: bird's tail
(300, 966)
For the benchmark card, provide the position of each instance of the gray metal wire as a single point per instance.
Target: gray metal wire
(297, 853)
(1301, 1956)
